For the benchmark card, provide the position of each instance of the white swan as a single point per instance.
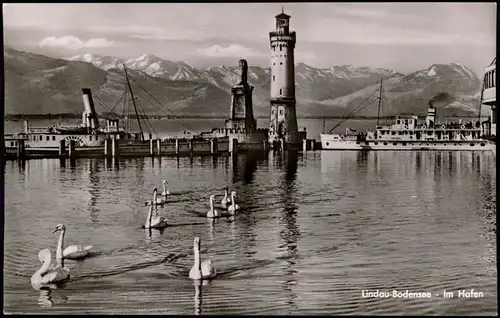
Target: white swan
(233, 207)
(47, 273)
(225, 200)
(212, 213)
(165, 189)
(154, 222)
(201, 270)
(73, 251)
(156, 200)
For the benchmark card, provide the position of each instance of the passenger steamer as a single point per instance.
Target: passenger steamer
(90, 133)
(407, 133)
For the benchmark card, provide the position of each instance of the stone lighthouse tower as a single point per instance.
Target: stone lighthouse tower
(283, 128)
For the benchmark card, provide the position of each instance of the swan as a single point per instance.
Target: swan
(224, 201)
(73, 251)
(155, 222)
(165, 189)
(201, 270)
(156, 200)
(47, 273)
(233, 207)
(212, 213)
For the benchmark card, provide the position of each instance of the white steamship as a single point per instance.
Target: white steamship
(90, 133)
(407, 133)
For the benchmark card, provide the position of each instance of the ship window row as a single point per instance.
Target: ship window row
(489, 79)
(406, 121)
(40, 138)
(427, 144)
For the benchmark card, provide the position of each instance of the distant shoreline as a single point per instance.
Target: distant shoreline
(78, 116)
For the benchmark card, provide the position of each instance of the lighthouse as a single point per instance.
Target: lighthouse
(283, 130)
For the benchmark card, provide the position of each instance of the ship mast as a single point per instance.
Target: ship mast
(379, 102)
(480, 104)
(133, 102)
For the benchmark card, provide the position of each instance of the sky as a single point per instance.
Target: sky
(401, 36)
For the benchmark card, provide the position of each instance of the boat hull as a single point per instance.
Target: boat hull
(328, 143)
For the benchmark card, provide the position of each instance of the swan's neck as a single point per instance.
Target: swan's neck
(225, 195)
(211, 205)
(232, 199)
(46, 264)
(150, 216)
(154, 197)
(197, 260)
(59, 251)
(164, 188)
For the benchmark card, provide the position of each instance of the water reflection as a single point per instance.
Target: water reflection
(290, 233)
(245, 165)
(21, 164)
(45, 299)
(198, 296)
(93, 190)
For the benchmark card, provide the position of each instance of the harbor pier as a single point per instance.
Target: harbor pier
(15, 148)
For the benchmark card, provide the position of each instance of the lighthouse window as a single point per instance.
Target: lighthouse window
(53, 138)
(47, 138)
(12, 144)
(281, 63)
(281, 47)
(281, 111)
(273, 77)
(280, 91)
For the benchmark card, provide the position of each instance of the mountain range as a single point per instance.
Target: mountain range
(37, 84)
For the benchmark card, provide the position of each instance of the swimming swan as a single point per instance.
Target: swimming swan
(201, 270)
(224, 201)
(233, 207)
(165, 189)
(156, 200)
(73, 251)
(212, 213)
(154, 222)
(47, 273)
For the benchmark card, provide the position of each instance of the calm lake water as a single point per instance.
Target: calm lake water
(316, 230)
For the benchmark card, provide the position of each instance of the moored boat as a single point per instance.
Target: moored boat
(407, 133)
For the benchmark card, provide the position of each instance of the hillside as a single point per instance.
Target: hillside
(412, 93)
(36, 84)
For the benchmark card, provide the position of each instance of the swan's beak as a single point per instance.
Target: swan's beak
(55, 230)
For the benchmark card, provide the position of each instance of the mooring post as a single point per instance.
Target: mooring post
(304, 145)
(234, 146)
(114, 147)
(176, 146)
(20, 148)
(106, 147)
(158, 146)
(313, 144)
(151, 147)
(191, 146)
(213, 146)
(71, 149)
(62, 148)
